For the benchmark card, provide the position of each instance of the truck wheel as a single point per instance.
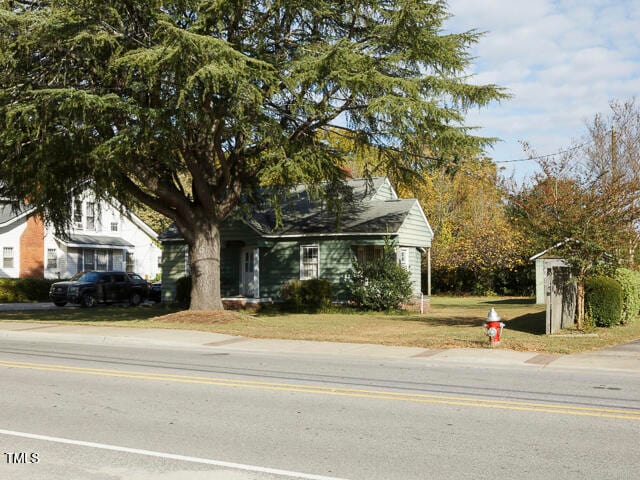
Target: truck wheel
(59, 304)
(88, 301)
(135, 299)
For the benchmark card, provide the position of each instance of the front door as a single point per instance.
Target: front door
(247, 269)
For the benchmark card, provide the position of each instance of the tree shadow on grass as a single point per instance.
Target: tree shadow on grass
(533, 323)
(512, 301)
(100, 313)
(461, 321)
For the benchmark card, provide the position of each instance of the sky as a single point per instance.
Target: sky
(562, 61)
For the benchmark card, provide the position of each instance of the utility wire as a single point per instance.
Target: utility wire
(540, 157)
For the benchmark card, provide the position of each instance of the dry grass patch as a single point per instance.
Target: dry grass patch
(200, 317)
(451, 322)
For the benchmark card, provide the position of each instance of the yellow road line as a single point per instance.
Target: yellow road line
(339, 391)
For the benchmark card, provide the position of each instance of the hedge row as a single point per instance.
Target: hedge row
(603, 301)
(19, 290)
(629, 280)
(611, 301)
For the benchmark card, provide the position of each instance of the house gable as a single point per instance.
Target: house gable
(415, 230)
(385, 191)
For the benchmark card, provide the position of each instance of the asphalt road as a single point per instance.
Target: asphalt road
(107, 412)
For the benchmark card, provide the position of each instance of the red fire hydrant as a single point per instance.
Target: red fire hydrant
(493, 327)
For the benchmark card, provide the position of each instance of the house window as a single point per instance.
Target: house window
(91, 216)
(309, 262)
(102, 260)
(114, 226)
(369, 253)
(403, 257)
(130, 263)
(89, 260)
(77, 214)
(116, 260)
(7, 257)
(52, 258)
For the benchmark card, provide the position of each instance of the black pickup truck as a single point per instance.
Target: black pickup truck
(90, 288)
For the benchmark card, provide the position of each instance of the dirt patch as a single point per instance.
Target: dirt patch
(200, 316)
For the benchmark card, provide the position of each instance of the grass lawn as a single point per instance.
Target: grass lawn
(451, 322)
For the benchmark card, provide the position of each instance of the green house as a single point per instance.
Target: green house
(257, 258)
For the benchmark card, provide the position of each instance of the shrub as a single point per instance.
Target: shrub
(519, 281)
(603, 299)
(306, 294)
(629, 280)
(380, 285)
(17, 290)
(183, 290)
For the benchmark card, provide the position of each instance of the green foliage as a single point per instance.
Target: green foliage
(629, 280)
(17, 290)
(183, 290)
(382, 284)
(307, 295)
(137, 94)
(603, 300)
(187, 106)
(519, 281)
(589, 325)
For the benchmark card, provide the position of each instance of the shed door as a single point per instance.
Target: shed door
(248, 272)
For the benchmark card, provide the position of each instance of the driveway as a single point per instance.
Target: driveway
(26, 306)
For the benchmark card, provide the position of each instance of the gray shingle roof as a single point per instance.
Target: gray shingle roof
(9, 211)
(303, 216)
(357, 217)
(102, 240)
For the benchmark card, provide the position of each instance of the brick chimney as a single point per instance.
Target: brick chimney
(32, 249)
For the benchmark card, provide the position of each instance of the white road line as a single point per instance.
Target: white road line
(171, 456)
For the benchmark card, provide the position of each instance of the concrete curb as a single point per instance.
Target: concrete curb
(619, 358)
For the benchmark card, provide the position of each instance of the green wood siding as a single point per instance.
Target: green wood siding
(238, 231)
(415, 267)
(414, 230)
(230, 271)
(336, 258)
(234, 235)
(173, 268)
(280, 263)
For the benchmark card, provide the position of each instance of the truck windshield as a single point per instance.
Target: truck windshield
(86, 277)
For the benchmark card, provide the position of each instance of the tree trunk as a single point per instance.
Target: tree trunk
(204, 260)
(580, 304)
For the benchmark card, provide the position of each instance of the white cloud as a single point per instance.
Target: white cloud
(562, 61)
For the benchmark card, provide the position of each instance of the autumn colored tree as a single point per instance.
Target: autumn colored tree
(586, 199)
(473, 234)
(461, 195)
(614, 153)
(188, 106)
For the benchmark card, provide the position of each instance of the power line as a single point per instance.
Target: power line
(540, 157)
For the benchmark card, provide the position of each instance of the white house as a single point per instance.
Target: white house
(102, 236)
